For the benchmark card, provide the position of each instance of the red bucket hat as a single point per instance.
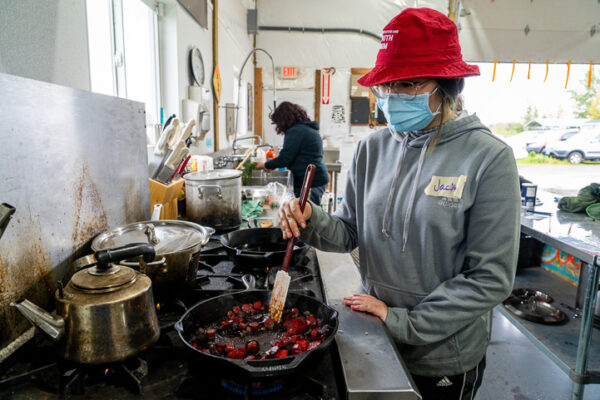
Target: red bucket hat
(419, 43)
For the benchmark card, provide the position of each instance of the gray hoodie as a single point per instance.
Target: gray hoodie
(438, 235)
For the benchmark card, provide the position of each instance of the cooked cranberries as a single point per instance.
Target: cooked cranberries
(298, 332)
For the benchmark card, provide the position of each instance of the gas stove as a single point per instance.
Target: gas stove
(166, 369)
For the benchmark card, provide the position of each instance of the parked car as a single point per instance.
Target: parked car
(541, 141)
(519, 142)
(583, 146)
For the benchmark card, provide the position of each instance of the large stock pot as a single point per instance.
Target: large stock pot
(214, 198)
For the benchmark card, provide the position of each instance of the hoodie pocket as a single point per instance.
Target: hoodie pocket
(394, 296)
(474, 337)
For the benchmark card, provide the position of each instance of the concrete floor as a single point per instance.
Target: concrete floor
(517, 370)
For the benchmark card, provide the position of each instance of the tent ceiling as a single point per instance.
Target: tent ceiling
(558, 30)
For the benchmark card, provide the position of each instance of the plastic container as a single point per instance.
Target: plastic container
(199, 164)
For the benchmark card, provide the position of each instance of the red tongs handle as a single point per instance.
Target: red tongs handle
(306, 185)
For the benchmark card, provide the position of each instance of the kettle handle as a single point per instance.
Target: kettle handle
(105, 257)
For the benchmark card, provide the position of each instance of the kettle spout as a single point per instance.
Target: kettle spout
(53, 326)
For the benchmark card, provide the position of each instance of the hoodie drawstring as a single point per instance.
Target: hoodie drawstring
(413, 193)
(390, 199)
(391, 196)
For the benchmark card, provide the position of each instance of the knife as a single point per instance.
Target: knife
(170, 145)
(167, 134)
(178, 154)
(161, 149)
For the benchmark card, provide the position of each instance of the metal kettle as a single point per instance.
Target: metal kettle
(105, 313)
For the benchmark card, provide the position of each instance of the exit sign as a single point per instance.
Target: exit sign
(288, 72)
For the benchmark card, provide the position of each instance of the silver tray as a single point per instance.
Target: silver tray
(534, 310)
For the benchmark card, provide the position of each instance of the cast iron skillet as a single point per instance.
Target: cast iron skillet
(256, 247)
(212, 310)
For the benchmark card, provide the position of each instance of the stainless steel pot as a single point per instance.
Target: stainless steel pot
(214, 198)
(105, 313)
(175, 243)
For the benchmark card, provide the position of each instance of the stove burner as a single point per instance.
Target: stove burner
(129, 374)
(169, 312)
(252, 389)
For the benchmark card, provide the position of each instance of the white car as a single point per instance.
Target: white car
(519, 142)
(541, 141)
(583, 146)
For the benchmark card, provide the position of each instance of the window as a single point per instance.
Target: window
(123, 46)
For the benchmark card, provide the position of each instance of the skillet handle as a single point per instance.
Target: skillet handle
(277, 364)
(249, 281)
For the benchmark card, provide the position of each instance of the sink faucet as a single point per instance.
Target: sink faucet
(234, 144)
(258, 147)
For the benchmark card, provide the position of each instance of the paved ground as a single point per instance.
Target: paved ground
(563, 180)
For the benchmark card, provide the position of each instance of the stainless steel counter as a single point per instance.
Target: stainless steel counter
(578, 235)
(574, 233)
(372, 367)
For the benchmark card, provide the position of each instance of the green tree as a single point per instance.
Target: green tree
(584, 100)
(530, 114)
(594, 108)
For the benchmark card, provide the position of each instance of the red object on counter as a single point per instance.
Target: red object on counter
(181, 167)
(270, 154)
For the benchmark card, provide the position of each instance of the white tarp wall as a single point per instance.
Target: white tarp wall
(558, 31)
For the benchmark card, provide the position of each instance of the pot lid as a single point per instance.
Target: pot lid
(213, 175)
(103, 280)
(167, 236)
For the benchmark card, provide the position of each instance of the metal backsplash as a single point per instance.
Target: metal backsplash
(73, 163)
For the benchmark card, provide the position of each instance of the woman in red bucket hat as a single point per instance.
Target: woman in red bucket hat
(433, 202)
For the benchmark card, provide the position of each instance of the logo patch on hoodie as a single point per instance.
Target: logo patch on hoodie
(446, 186)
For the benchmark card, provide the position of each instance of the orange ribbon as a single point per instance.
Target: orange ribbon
(568, 72)
(529, 70)
(590, 74)
(547, 61)
(513, 70)
(494, 73)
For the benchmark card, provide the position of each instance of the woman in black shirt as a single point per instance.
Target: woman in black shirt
(302, 145)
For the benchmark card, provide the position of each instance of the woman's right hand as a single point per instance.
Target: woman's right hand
(291, 218)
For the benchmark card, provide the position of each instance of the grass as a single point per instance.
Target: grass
(535, 158)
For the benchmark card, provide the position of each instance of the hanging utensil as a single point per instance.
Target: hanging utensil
(282, 279)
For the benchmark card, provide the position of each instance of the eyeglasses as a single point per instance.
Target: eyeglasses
(409, 88)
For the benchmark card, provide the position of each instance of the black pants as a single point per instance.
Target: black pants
(455, 387)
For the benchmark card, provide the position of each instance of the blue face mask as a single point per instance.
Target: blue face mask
(407, 113)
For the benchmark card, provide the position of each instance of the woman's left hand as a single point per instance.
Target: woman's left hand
(260, 165)
(366, 303)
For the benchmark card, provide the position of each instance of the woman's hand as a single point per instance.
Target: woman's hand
(366, 303)
(260, 165)
(291, 218)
